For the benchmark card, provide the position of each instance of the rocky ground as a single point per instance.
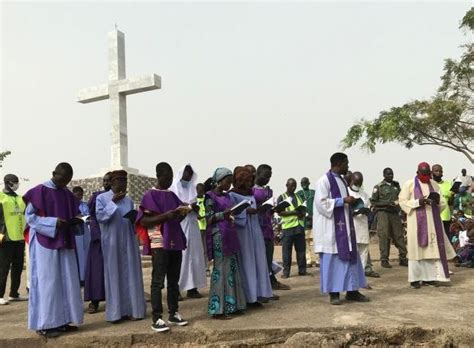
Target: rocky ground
(396, 316)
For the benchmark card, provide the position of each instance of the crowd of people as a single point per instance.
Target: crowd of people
(222, 229)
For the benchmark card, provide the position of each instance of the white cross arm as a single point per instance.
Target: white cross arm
(126, 86)
(92, 94)
(140, 84)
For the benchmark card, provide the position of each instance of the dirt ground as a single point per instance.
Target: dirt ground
(396, 316)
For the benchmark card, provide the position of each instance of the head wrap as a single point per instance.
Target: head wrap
(117, 174)
(186, 193)
(242, 175)
(424, 178)
(220, 174)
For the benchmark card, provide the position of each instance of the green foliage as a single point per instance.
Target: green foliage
(468, 20)
(3, 155)
(446, 120)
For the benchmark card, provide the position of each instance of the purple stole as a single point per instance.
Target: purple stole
(422, 226)
(261, 195)
(58, 203)
(230, 241)
(94, 225)
(160, 202)
(340, 226)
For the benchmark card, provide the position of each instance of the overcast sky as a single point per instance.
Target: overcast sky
(257, 82)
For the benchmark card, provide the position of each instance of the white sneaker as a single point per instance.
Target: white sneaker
(19, 298)
(176, 319)
(160, 326)
(3, 302)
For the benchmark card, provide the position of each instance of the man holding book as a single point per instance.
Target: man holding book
(335, 237)
(293, 229)
(307, 195)
(428, 246)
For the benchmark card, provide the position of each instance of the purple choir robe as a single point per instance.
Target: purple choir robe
(262, 194)
(94, 288)
(55, 293)
(160, 202)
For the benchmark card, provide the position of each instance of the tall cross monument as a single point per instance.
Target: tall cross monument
(117, 89)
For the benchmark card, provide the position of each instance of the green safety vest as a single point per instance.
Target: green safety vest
(445, 191)
(202, 212)
(14, 215)
(293, 220)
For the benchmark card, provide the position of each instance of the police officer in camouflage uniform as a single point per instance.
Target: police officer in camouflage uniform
(389, 225)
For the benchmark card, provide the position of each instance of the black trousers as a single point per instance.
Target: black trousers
(290, 238)
(269, 248)
(12, 255)
(166, 264)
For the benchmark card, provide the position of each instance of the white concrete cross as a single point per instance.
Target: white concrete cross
(117, 88)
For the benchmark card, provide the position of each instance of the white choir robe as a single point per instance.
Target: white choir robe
(361, 226)
(193, 265)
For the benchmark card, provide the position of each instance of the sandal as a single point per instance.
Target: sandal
(221, 316)
(92, 308)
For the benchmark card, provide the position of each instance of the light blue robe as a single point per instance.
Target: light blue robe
(252, 258)
(82, 242)
(122, 263)
(337, 275)
(55, 294)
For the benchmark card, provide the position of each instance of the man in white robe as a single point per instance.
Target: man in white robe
(334, 235)
(193, 267)
(361, 222)
(428, 246)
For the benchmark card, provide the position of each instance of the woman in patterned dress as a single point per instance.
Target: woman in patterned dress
(226, 295)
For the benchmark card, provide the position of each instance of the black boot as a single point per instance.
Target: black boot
(193, 293)
(356, 296)
(334, 298)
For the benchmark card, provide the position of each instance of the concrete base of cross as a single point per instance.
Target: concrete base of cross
(129, 170)
(138, 184)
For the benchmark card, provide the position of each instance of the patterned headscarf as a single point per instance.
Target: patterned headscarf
(220, 174)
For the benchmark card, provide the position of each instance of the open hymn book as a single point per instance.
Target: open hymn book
(268, 205)
(78, 220)
(240, 207)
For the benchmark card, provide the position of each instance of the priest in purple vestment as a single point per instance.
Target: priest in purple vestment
(334, 235)
(55, 293)
(428, 246)
(94, 288)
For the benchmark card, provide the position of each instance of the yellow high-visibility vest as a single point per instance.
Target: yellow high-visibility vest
(14, 215)
(202, 212)
(292, 220)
